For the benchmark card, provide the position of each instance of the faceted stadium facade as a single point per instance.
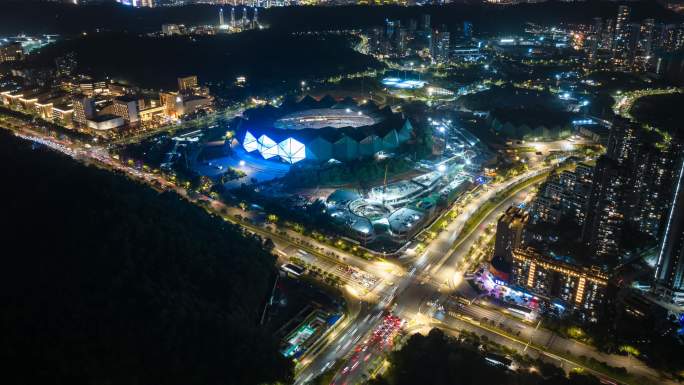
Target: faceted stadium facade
(340, 131)
(289, 150)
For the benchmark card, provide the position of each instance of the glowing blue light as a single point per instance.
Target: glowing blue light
(390, 81)
(250, 143)
(267, 147)
(291, 150)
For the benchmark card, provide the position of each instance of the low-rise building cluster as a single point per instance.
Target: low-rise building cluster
(105, 106)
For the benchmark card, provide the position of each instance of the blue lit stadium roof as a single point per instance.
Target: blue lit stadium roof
(403, 83)
(321, 130)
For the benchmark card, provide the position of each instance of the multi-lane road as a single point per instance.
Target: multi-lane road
(412, 290)
(409, 297)
(427, 287)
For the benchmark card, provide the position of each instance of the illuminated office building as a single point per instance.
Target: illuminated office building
(594, 38)
(650, 187)
(581, 288)
(623, 141)
(564, 195)
(187, 84)
(630, 187)
(440, 49)
(621, 37)
(127, 108)
(63, 114)
(84, 109)
(172, 103)
(605, 215)
(645, 44)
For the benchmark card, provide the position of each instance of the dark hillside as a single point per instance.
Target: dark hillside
(104, 281)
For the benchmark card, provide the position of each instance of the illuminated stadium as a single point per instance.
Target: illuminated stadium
(403, 83)
(324, 117)
(322, 130)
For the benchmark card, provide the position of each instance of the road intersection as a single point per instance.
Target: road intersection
(411, 287)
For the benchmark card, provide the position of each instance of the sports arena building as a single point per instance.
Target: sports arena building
(322, 130)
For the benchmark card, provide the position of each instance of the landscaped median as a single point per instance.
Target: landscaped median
(483, 211)
(492, 203)
(586, 363)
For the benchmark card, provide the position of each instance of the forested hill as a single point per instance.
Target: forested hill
(104, 281)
